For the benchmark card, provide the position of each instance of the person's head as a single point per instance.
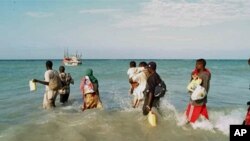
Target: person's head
(143, 64)
(49, 65)
(151, 67)
(88, 72)
(249, 61)
(132, 64)
(61, 69)
(201, 64)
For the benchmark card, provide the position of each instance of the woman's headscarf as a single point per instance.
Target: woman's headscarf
(89, 73)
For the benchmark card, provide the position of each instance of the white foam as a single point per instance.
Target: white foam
(219, 119)
(67, 107)
(171, 110)
(223, 120)
(181, 119)
(203, 124)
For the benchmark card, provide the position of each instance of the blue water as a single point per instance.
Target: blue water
(21, 110)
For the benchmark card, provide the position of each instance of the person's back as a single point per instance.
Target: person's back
(153, 80)
(50, 94)
(140, 78)
(48, 75)
(132, 69)
(66, 80)
(131, 72)
(49, 99)
(90, 91)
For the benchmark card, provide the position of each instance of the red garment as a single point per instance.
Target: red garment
(195, 71)
(247, 119)
(194, 112)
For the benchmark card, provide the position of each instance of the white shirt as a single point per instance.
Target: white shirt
(131, 72)
(47, 75)
(140, 78)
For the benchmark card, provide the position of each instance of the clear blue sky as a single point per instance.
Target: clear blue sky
(170, 29)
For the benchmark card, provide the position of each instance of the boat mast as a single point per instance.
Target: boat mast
(67, 52)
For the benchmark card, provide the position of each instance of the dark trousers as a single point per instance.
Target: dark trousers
(155, 103)
(64, 97)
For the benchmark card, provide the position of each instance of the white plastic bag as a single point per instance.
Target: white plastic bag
(199, 93)
(32, 85)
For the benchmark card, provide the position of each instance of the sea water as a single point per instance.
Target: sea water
(22, 117)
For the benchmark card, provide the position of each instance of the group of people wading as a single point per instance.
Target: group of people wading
(146, 86)
(144, 81)
(59, 84)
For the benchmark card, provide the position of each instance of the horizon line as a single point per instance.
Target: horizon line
(28, 59)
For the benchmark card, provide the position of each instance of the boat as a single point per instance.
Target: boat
(72, 60)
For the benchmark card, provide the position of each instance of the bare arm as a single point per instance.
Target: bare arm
(41, 82)
(205, 81)
(150, 97)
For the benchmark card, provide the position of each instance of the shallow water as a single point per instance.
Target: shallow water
(22, 116)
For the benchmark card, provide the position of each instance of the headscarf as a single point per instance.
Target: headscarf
(89, 73)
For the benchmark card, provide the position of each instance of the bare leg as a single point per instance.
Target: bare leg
(135, 102)
(139, 103)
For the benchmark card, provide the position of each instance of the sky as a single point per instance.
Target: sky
(125, 29)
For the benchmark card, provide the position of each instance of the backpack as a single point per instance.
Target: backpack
(65, 79)
(55, 81)
(160, 89)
